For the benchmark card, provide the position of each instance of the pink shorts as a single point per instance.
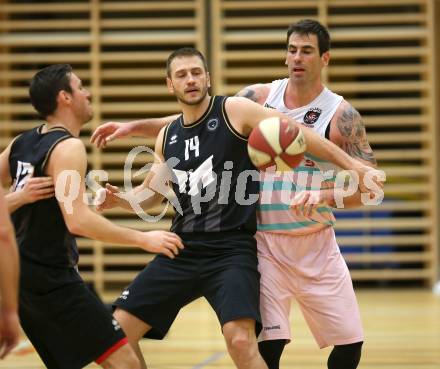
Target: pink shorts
(312, 270)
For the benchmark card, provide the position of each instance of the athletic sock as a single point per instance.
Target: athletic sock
(271, 352)
(345, 356)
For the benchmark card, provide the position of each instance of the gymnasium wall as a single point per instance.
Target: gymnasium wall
(382, 62)
(437, 111)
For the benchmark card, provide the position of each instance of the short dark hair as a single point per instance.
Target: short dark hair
(311, 27)
(46, 85)
(185, 51)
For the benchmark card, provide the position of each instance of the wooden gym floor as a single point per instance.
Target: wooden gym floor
(402, 330)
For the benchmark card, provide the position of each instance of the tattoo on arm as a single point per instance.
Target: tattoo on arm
(355, 141)
(249, 94)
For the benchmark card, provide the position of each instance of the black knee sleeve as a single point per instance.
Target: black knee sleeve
(345, 356)
(271, 352)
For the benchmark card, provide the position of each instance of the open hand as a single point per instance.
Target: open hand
(305, 202)
(108, 197)
(37, 188)
(370, 179)
(108, 132)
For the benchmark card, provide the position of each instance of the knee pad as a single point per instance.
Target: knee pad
(271, 352)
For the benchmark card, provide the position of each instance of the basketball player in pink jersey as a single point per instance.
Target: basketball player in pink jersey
(297, 250)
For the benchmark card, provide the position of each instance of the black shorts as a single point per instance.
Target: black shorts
(222, 267)
(67, 324)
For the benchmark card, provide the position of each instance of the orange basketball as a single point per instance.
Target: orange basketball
(275, 142)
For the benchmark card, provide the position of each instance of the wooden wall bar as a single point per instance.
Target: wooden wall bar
(436, 78)
(119, 49)
(382, 62)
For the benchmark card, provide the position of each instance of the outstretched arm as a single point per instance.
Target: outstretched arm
(151, 127)
(9, 271)
(111, 131)
(246, 115)
(150, 193)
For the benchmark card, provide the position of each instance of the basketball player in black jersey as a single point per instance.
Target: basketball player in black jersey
(219, 261)
(67, 324)
(9, 271)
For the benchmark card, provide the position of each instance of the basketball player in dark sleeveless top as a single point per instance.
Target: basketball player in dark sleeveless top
(67, 324)
(219, 261)
(9, 271)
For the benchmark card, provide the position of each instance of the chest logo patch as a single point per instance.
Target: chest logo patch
(173, 139)
(311, 117)
(212, 124)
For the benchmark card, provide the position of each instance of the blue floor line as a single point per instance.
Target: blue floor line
(213, 358)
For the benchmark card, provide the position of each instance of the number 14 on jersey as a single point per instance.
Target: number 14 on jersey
(192, 144)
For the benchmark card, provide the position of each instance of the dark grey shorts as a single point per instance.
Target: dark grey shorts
(221, 267)
(67, 324)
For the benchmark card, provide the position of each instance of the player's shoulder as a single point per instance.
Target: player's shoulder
(260, 87)
(68, 154)
(26, 135)
(16, 140)
(73, 142)
(239, 104)
(345, 114)
(163, 131)
(346, 108)
(257, 92)
(162, 137)
(345, 118)
(69, 146)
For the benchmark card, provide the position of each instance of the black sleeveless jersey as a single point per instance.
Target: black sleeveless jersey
(215, 182)
(42, 235)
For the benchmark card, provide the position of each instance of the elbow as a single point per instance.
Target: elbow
(73, 228)
(76, 227)
(77, 220)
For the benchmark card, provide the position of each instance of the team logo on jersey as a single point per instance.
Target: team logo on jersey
(312, 116)
(124, 295)
(212, 124)
(173, 139)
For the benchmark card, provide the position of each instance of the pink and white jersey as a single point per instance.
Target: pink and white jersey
(277, 190)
